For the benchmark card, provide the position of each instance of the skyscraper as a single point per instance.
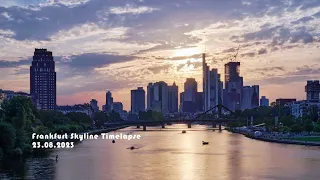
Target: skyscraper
(150, 96)
(212, 86)
(43, 79)
(233, 85)
(138, 100)
(173, 98)
(109, 102)
(189, 95)
(250, 97)
(312, 90)
(255, 96)
(190, 89)
(157, 97)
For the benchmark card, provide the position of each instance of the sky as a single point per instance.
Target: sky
(119, 45)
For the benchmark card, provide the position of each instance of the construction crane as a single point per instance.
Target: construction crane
(234, 57)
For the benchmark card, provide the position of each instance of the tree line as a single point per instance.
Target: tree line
(19, 119)
(286, 122)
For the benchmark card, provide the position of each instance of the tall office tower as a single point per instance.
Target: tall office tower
(158, 97)
(212, 86)
(250, 97)
(190, 95)
(312, 90)
(150, 96)
(215, 89)
(173, 98)
(233, 85)
(255, 96)
(205, 83)
(43, 80)
(199, 101)
(94, 105)
(264, 101)
(138, 100)
(190, 89)
(109, 102)
(247, 94)
(181, 102)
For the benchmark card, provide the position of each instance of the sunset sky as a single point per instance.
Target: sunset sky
(118, 45)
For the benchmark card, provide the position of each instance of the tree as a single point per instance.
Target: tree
(114, 116)
(313, 113)
(308, 125)
(7, 137)
(79, 118)
(100, 119)
(287, 120)
(296, 128)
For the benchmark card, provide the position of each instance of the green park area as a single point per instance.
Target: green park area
(307, 138)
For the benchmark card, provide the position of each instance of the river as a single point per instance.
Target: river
(167, 154)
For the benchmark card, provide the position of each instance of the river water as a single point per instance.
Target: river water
(167, 154)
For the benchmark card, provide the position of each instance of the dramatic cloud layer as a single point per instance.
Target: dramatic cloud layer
(119, 45)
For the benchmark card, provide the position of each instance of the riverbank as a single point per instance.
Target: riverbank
(273, 140)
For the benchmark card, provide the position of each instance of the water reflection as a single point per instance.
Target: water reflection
(169, 154)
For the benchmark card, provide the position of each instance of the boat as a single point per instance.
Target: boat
(204, 143)
(184, 131)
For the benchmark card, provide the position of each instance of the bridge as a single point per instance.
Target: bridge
(219, 120)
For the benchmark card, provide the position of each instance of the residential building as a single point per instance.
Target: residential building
(138, 100)
(76, 108)
(94, 105)
(8, 94)
(301, 108)
(283, 102)
(2, 96)
(43, 79)
(173, 98)
(264, 101)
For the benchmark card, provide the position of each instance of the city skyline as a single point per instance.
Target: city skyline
(277, 51)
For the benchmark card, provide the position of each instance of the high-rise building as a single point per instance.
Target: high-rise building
(312, 90)
(199, 101)
(94, 105)
(255, 96)
(109, 102)
(173, 98)
(250, 97)
(150, 96)
(157, 97)
(190, 89)
(233, 86)
(118, 107)
(264, 101)
(189, 96)
(138, 100)
(212, 86)
(43, 79)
